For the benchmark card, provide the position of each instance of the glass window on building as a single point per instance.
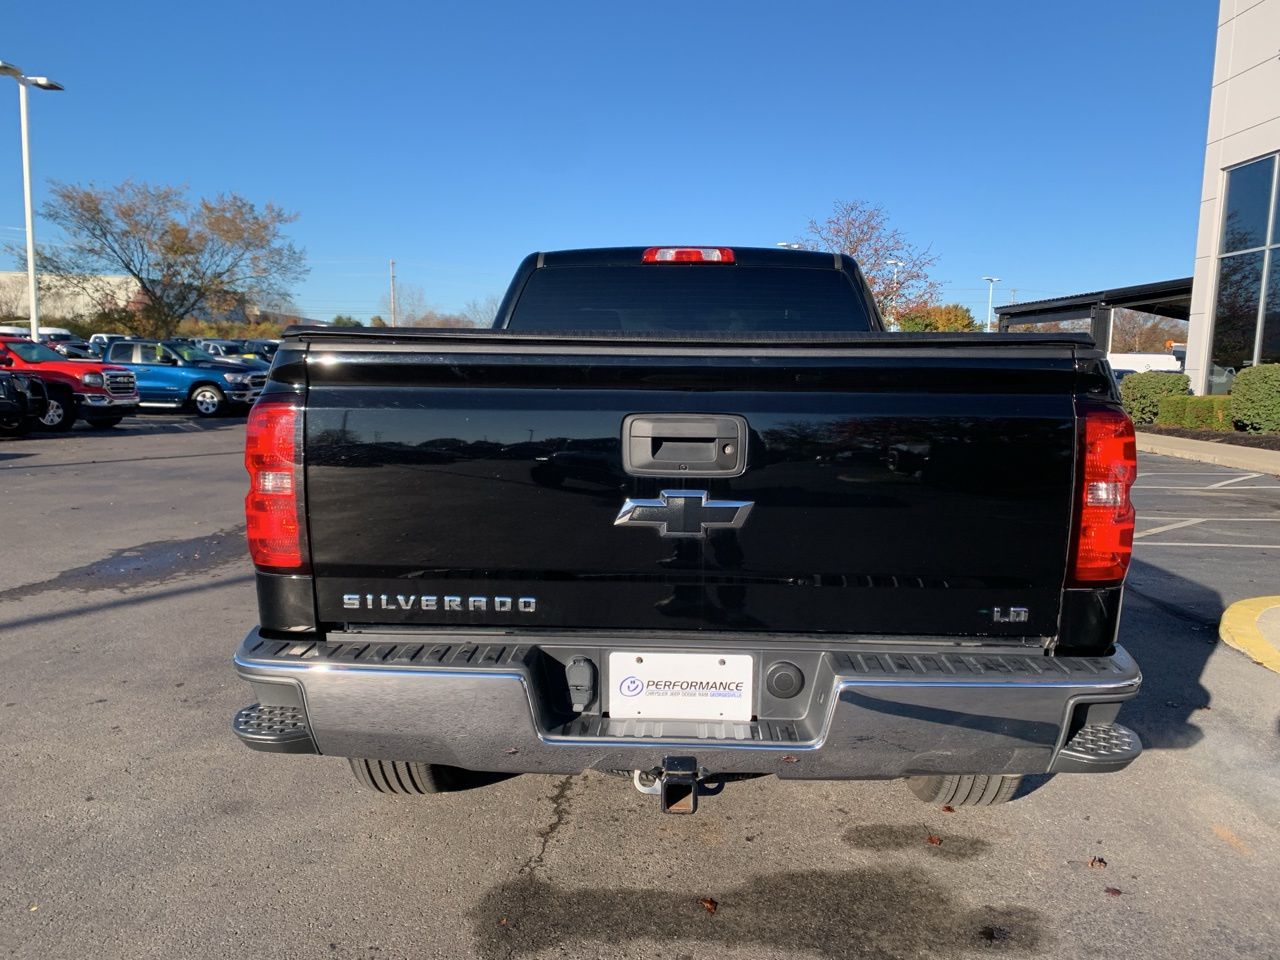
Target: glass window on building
(1270, 352)
(1246, 326)
(1248, 205)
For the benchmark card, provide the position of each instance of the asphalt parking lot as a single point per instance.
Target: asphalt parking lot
(136, 826)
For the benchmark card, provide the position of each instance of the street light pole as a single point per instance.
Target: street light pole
(33, 290)
(44, 83)
(393, 293)
(893, 300)
(991, 290)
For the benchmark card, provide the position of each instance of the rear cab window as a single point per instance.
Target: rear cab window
(683, 298)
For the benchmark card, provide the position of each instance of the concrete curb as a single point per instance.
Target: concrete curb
(1242, 627)
(1223, 454)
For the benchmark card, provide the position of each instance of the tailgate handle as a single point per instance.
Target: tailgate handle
(684, 445)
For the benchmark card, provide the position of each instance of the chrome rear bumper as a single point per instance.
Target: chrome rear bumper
(891, 711)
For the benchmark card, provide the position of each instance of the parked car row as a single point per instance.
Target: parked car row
(98, 393)
(112, 376)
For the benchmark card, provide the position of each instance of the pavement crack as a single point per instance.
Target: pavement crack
(560, 809)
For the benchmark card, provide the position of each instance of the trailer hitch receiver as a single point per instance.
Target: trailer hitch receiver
(678, 785)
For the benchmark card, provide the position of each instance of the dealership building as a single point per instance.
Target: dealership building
(1235, 294)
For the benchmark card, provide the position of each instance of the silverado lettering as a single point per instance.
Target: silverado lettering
(412, 601)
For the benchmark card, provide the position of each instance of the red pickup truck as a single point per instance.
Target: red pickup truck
(101, 394)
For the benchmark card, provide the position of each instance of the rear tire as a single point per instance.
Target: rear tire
(967, 790)
(60, 414)
(17, 428)
(408, 778)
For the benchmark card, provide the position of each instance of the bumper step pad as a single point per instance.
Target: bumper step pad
(274, 729)
(1098, 747)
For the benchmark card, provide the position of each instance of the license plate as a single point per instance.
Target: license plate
(681, 686)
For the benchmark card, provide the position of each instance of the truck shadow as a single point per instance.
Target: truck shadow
(1170, 625)
(869, 912)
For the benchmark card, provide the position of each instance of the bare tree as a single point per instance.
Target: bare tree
(1084, 325)
(862, 230)
(187, 259)
(1133, 331)
(412, 309)
(481, 313)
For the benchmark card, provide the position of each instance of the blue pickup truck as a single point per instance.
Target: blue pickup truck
(176, 375)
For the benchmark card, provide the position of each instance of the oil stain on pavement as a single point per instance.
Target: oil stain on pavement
(946, 846)
(872, 912)
(144, 565)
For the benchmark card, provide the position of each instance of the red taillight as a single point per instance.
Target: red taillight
(276, 535)
(1104, 527)
(688, 255)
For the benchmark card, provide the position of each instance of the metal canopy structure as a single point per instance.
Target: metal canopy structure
(1168, 298)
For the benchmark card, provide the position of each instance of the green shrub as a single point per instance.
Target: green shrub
(1255, 398)
(1141, 392)
(1208, 413)
(1172, 411)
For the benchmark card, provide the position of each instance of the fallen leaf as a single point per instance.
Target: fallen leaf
(948, 809)
(1112, 891)
(933, 840)
(512, 751)
(709, 905)
(1227, 836)
(502, 922)
(1098, 862)
(789, 759)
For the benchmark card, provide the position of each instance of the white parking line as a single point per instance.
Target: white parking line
(1168, 526)
(1238, 546)
(1207, 491)
(1216, 520)
(1224, 483)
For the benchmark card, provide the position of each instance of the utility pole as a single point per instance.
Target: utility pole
(393, 293)
(991, 291)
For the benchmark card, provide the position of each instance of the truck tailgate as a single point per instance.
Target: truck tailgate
(895, 487)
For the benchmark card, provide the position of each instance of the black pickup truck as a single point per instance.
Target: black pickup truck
(23, 401)
(690, 515)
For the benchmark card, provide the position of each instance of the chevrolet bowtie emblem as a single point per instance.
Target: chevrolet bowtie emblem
(684, 513)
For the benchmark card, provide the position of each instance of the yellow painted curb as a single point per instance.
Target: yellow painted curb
(1239, 628)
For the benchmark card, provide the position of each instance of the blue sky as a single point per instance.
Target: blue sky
(1058, 146)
